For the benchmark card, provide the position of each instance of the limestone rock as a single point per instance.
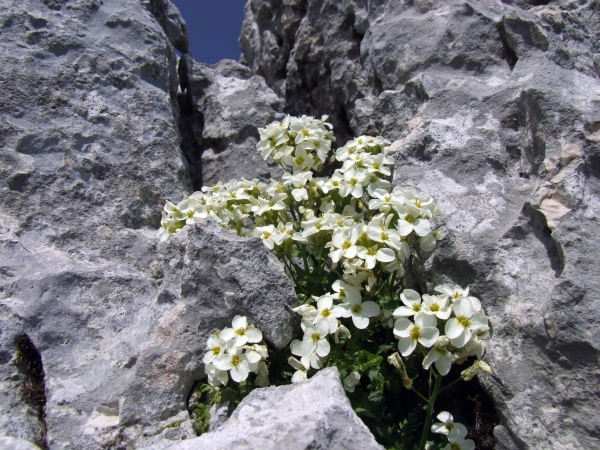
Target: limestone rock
(226, 106)
(313, 414)
(492, 109)
(102, 329)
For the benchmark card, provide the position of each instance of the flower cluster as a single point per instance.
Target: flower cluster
(299, 143)
(424, 319)
(236, 351)
(454, 431)
(344, 240)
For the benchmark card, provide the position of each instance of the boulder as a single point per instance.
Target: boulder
(225, 105)
(313, 414)
(491, 107)
(102, 330)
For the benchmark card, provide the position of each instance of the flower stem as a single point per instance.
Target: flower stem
(436, 391)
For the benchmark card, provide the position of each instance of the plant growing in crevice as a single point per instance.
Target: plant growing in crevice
(345, 240)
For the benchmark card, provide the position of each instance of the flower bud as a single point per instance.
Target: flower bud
(478, 366)
(396, 361)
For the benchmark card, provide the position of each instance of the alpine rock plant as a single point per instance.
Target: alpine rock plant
(345, 240)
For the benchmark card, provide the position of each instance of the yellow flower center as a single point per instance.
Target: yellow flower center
(416, 307)
(235, 360)
(240, 331)
(384, 236)
(409, 218)
(315, 337)
(299, 160)
(357, 308)
(464, 321)
(266, 235)
(326, 313)
(434, 308)
(216, 350)
(415, 333)
(346, 245)
(372, 251)
(305, 132)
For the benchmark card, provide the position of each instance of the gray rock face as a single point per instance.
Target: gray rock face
(313, 414)
(102, 331)
(494, 110)
(225, 105)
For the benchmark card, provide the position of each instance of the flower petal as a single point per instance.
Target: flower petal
(370, 309)
(403, 311)
(462, 307)
(453, 328)
(429, 336)
(239, 373)
(402, 327)
(406, 345)
(458, 432)
(462, 339)
(323, 348)
(254, 335)
(443, 365)
(361, 322)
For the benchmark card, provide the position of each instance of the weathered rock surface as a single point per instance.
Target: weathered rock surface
(314, 414)
(494, 108)
(224, 105)
(102, 331)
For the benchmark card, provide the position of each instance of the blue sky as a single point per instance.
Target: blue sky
(214, 27)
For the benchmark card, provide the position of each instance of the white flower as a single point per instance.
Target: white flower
(460, 328)
(359, 311)
(236, 362)
(351, 381)
(216, 346)
(391, 238)
(455, 443)
(241, 332)
(315, 340)
(344, 242)
(300, 161)
(423, 331)
(307, 312)
(412, 302)
(345, 291)
(373, 254)
(436, 305)
(440, 355)
(410, 220)
(353, 183)
(268, 236)
(301, 369)
(452, 291)
(273, 204)
(448, 427)
(216, 376)
(326, 312)
(313, 360)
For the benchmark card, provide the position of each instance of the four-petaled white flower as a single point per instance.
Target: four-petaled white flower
(459, 329)
(423, 331)
(326, 312)
(359, 311)
(412, 302)
(241, 332)
(449, 427)
(440, 355)
(301, 369)
(315, 340)
(436, 305)
(236, 362)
